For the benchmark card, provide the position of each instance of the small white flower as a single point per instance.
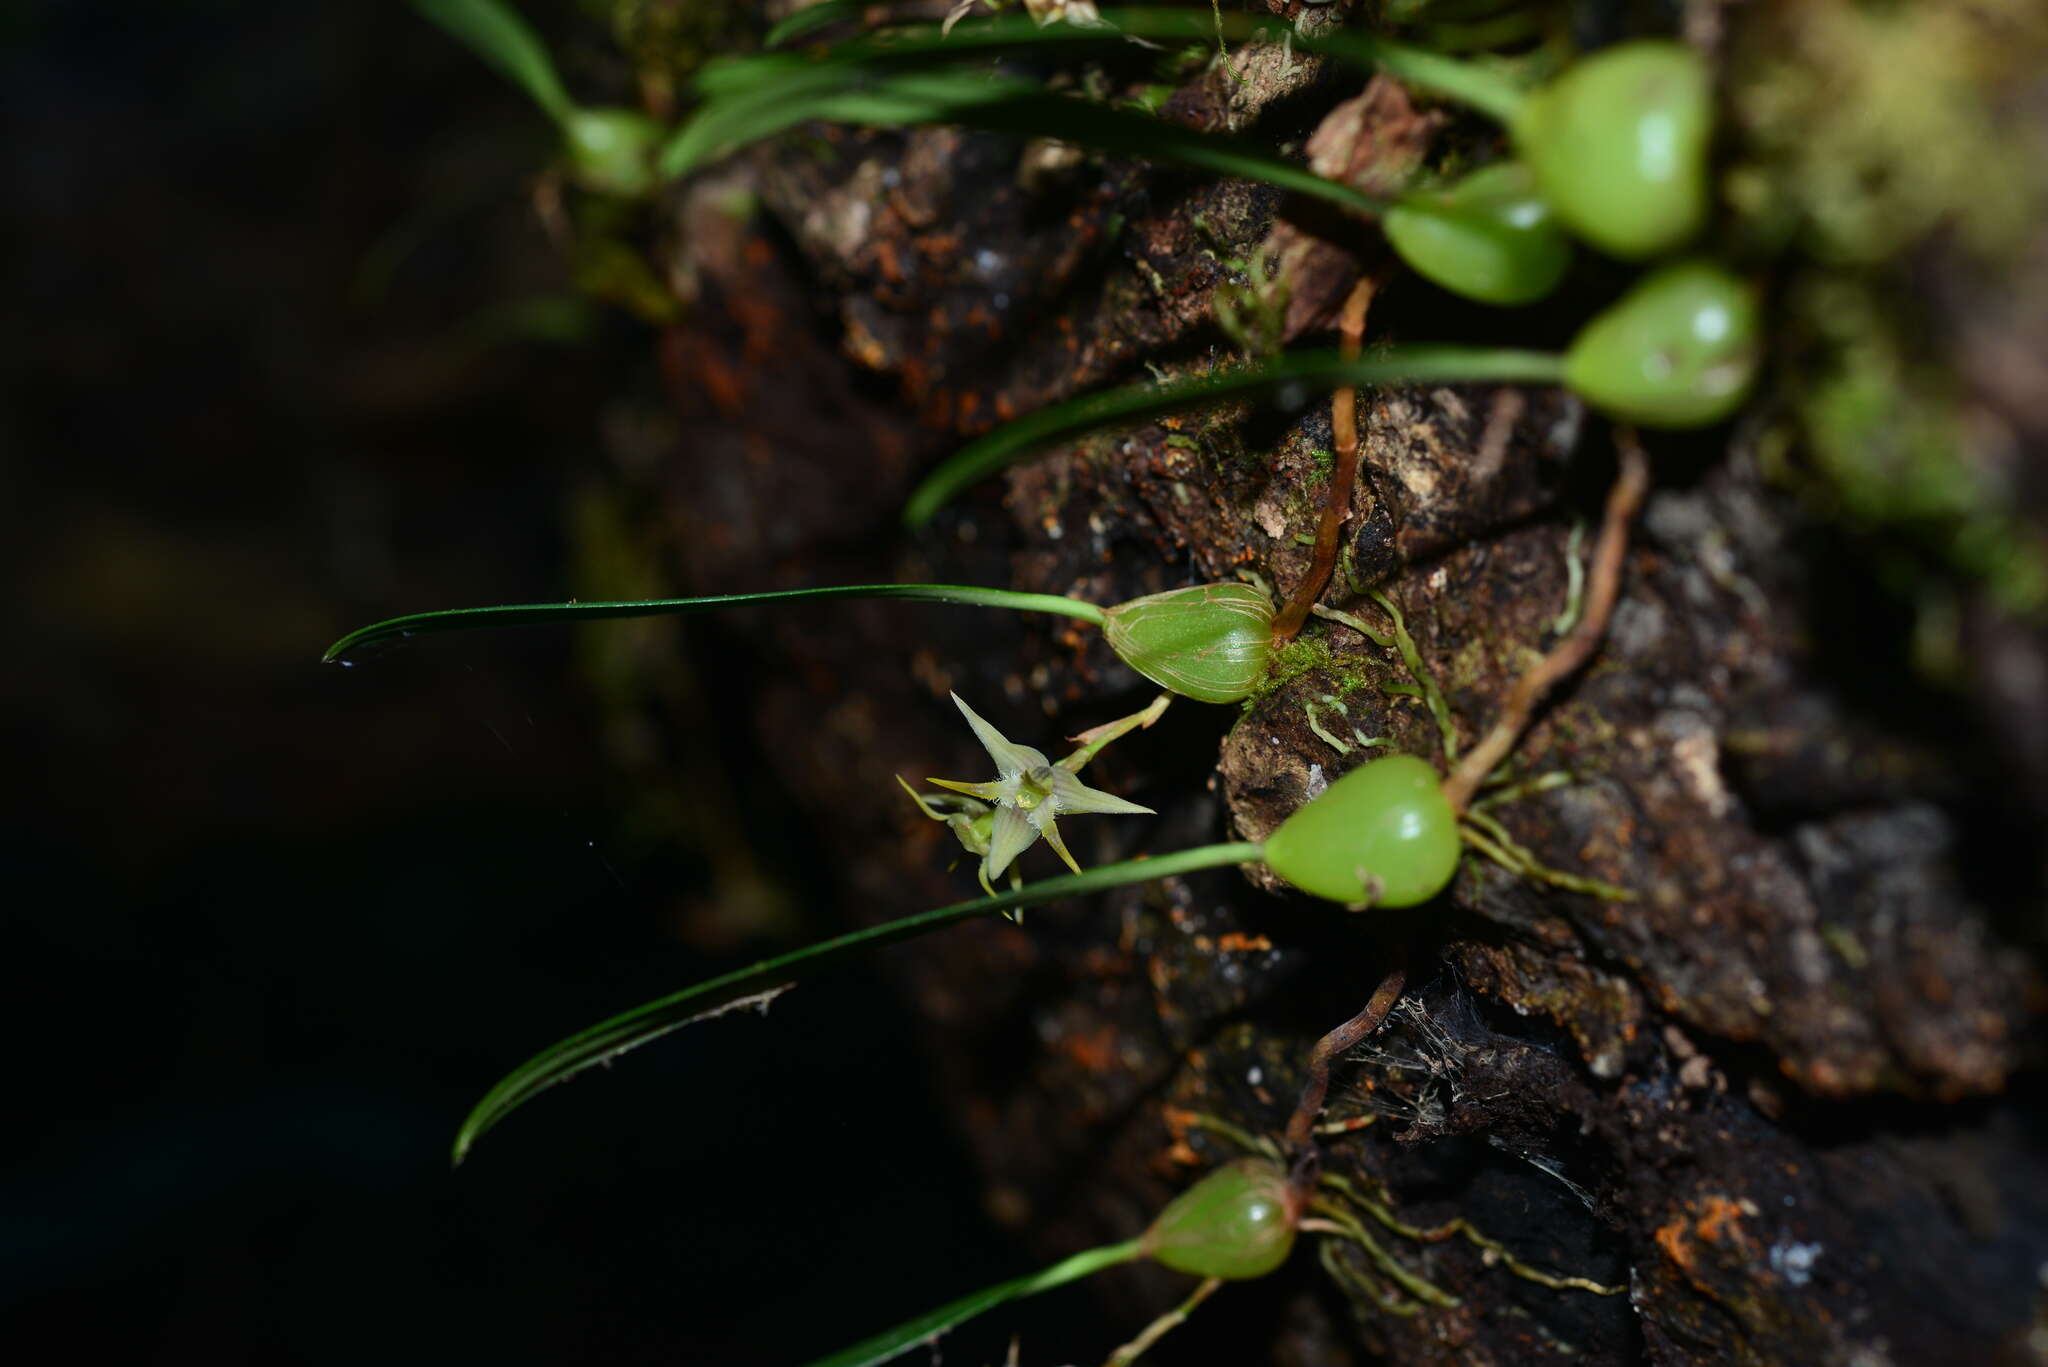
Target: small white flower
(1028, 792)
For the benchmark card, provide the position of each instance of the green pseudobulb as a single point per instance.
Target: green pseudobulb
(1489, 237)
(611, 150)
(1209, 642)
(1680, 349)
(1383, 835)
(1618, 145)
(1236, 1223)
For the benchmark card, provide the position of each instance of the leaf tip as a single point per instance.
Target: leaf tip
(465, 1140)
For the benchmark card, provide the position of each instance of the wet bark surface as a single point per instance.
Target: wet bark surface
(1776, 1106)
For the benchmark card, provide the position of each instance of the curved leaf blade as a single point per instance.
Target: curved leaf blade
(532, 614)
(756, 96)
(762, 981)
(1128, 133)
(924, 1328)
(825, 12)
(979, 100)
(496, 33)
(1010, 35)
(1289, 378)
(884, 79)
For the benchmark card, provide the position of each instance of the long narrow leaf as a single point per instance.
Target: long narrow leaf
(1014, 35)
(530, 614)
(494, 32)
(872, 98)
(752, 97)
(912, 1333)
(1290, 378)
(997, 105)
(882, 80)
(608, 1039)
(812, 16)
(1129, 133)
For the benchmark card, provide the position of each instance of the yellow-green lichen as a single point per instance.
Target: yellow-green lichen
(1868, 125)
(1887, 432)
(1874, 138)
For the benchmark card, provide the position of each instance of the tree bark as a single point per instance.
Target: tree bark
(1777, 1100)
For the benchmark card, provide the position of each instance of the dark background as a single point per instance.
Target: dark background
(274, 366)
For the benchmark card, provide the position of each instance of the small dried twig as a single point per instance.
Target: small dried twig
(1343, 474)
(1603, 585)
(1502, 415)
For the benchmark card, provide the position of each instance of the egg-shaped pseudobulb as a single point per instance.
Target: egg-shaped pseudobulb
(1236, 1223)
(1209, 642)
(1618, 144)
(1383, 835)
(1680, 349)
(1488, 237)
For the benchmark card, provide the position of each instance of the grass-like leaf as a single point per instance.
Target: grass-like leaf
(812, 17)
(997, 104)
(878, 98)
(531, 614)
(1291, 378)
(928, 1326)
(1129, 133)
(496, 33)
(757, 984)
(752, 97)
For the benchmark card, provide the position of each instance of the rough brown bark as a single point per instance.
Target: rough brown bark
(1779, 1097)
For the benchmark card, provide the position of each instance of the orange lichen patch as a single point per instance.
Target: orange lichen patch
(1671, 1238)
(1095, 1052)
(1105, 962)
(885, 260)
(864, 347)
(721, 383)
(1720, 1217)
(1178, 1123)
(1711, 1219)
(916, 380)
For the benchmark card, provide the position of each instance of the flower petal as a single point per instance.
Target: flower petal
(1071, 795)
(1010, 836)
(1011, 759)
(922, 805)
(1051, 833)
(987, 792)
